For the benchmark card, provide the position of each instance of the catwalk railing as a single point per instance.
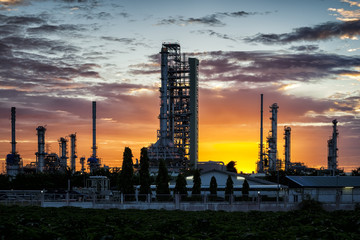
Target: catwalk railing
(115, 199)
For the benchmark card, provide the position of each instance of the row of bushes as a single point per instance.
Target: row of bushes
(75, 223)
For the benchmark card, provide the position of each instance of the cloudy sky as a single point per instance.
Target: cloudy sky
(56, 56)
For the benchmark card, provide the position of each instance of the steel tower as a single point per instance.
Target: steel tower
(272, 140)
(63, 153)
(40, 154)
(73, 152)
(177, 138)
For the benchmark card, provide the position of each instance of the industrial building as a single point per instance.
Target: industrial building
(177, 139)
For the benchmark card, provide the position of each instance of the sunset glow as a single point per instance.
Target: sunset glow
(58, 56)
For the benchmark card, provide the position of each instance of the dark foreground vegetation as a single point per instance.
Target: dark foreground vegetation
(75, 223)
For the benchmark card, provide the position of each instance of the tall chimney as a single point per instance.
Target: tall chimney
(332, 146)
(94, 129)
(287, 147)
(13, 141)
(261, 161)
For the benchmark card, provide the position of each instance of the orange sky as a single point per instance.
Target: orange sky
(56, 57)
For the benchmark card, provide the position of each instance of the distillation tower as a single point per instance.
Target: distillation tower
(13, 160)
(40, 154)
(73, 152)
(94, 161)
(177, 139)
(63, 153)
(332, 149)
(287, 134)
(272, 140)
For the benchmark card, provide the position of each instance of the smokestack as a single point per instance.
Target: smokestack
(40, 155)
(332, 146)
(260, 167)
(73, 152)
(287, 147)
(13, 119)
(94, 129)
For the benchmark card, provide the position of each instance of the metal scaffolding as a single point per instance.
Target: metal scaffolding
(177, 139)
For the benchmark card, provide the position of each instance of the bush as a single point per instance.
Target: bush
(310, 205)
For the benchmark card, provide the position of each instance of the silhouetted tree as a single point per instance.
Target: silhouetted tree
(180, 186)
(162, 181)
(213, 188)
(145, 180)
(355, 172)
(245, 189)
(4, 182)
(230, 167)
(229, 189)
(127, 172)
(197, 182)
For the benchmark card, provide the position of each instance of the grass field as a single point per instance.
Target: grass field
(75, 223)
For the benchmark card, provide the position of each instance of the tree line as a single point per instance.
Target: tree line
(124, 180)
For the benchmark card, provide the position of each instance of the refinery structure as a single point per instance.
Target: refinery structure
(177, 137)
(269, 161)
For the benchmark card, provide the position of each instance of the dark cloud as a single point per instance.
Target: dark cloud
(323, 31)
(54, 29)
(273, 67)
(215, 34)
(236, 14)
(213, 20)
(39, 64)
(306, 48)
(122, 40)
(210, 20)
